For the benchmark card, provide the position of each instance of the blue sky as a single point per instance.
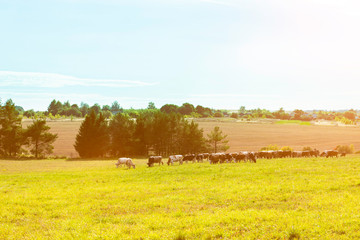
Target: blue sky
(216, 53)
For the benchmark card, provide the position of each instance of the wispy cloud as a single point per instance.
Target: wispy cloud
(53, 80)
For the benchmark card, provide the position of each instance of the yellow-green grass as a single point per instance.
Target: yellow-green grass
(314, 198)
(293, 122)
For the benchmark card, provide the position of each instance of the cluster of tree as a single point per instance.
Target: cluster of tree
(188, 109)
(152, 132)
(65, 109)
(347, 117)
(36, 137)
(57, 109)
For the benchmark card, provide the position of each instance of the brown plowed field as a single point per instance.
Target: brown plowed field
(241, 136)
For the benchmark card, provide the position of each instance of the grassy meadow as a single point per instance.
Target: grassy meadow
(314, 198)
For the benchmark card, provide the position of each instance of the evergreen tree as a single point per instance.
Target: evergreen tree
(217, 140)
(151, 105)
(39, 139)
(84, 109)
(11, 132)
(192, 138)
(139, 136)
(93, 138)
(115, 108)
(121, 133)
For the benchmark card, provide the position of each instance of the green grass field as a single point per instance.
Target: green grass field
(272, 199)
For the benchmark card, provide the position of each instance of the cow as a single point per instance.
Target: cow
(125, 161)
(214, 158)
(189, 157)
(200, 157)
(154, 159)
(175, 158)
(240, 157)
(250, 156)
(314, 153)
(206, 155)
(297, 154)
(330, 153)
(306, 153)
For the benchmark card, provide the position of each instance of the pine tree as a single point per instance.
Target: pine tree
(218, 140)
(39, 139)
(140, 134)
(121, 132)
(11, 132)
(92, 139)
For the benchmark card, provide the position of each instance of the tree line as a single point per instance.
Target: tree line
(15, 140)
(151, 133)
(57, 109)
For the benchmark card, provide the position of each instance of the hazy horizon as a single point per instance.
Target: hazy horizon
(221, 54)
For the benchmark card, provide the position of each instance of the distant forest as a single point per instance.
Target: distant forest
(57, 109)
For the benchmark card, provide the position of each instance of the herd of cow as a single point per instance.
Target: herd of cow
(214, 158)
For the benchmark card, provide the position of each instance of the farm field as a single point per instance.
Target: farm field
(242, 136)
(308, 198)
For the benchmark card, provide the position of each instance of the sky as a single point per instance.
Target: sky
(223, 54)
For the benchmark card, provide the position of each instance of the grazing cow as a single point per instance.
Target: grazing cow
(154, 159)
(329, 153)
(126, 161)
(175, 158)
(250, 156)
(314, 153)
(206, 155)
(297, 154)
(214, 158)
(343, 154)
(306, 153)
(240, 157)
(200, 157)
(189, 157)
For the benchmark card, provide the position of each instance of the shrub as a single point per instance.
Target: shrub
(270, 147)
(234, 115)
(218, 114)
(307, 148)
(286, 148)
(345, 149)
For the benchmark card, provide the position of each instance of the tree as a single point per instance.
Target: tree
(140, 135)
(298, 114)
(169, 108)
(84, 108)
(234, 115)
(186, 109)
(204, 112)
(11, 132)
(350, 115)
(92, 139)
(115, 108)
(105, 108)
(39, 139)
(121, 133)
(151, 105)
(55, 107)
(96, 108)
(192, 139)
(217, 140)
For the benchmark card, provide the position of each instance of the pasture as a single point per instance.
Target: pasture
(300, 198)
(241, 136)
